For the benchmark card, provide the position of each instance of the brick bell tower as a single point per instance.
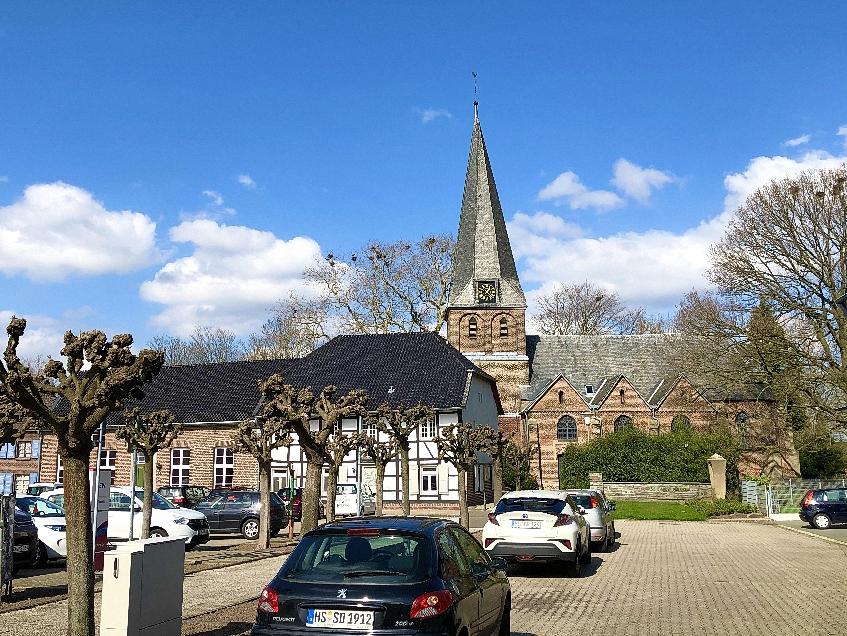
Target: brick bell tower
(486, 309)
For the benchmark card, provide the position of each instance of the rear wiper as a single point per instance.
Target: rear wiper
(358, 573)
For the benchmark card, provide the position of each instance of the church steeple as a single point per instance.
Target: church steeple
(483, 252)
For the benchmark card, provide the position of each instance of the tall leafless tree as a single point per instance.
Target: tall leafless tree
(114, 373)
(205, 345)
(297, 327)
(588, 309)
(148, 433)
(388, 287)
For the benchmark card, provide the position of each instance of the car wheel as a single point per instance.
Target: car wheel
(250, 529)
(506, 618)
(574, 568)
(612, 537)
(585, 557)
(821, 521)
(275, 533)
(40, 555)
(157, 532)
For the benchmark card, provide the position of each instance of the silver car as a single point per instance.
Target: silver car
(599, 513)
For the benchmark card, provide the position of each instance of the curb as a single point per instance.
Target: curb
(812, 534)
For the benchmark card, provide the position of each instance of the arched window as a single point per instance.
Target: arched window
(504, 328)
(561, 397)
(472, 328)
(622, 393)
(623, 423)
(566, 429)
(742, 425)
(680, 423)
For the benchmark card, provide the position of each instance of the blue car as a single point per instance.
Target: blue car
(822, 508)
(394, 575)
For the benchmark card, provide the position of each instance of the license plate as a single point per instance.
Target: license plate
(533, 525)
(20, 548)
(339, 619)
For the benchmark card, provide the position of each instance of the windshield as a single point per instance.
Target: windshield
(584, 501)
(40, 507)
(531, 504)
(343, 558)
(159, 502)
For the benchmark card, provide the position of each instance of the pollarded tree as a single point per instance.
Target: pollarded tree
(381, 453)
(400, 424)
(458, 445)
(496, 443)
(114, 374)
(148, 433)
(14, 420)
(300, 407)
(338, 446)
(259, 439)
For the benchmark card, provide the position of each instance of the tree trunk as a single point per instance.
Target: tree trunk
(311, 491)
(380, 481)
(464, 517)
(331, 483)
(404, 477)
(264, 505)
(80, 563)
(147, 508)
(497, 477)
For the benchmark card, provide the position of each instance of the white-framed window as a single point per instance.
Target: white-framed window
(429, 480)
(108, 461)
(224, 465)
(369, 429)
(429, 429)
(60, 470)
(21, 483)
(180, 466)
(24, 451)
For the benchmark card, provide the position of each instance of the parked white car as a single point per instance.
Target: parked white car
(538, 525)
(347, 500)
(49, 519)
(167, 520)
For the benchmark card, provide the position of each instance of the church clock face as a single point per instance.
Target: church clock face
(486, 291)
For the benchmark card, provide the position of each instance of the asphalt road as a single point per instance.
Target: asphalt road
(837, 531)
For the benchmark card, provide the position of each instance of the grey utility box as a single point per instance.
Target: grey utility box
(142, 588)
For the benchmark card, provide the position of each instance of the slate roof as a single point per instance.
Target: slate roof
(394, 367)
(483, 251)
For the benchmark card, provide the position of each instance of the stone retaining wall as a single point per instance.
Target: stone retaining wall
(657, 492)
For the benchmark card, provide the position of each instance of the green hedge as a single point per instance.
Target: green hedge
(631, 455)
(710, 508)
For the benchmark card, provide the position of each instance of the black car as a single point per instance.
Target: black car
(238, 511)
(394, 574)
(822, 508)
(184, 496)
(25, 546)
(297, 506)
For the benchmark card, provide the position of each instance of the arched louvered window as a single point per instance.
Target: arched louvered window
(623, 423)
(472, 328)
(504, 328)
(742, 425)
(566, 429)
(680, 423)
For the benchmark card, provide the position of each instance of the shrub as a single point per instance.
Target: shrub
(713, 508)
(631, 455)
(822, 463)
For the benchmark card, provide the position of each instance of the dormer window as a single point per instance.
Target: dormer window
(504, 328)
(472, 328)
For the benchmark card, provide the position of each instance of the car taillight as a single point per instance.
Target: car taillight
(593, 501)
(431, 604)
(807, 500)
(562, 520)
(492, 517)
(269, 601)
(489, 541)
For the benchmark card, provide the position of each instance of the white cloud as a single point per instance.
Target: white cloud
(42, 337)
(215, 209)
(797, 141)
(539, 233)
(429, 114)
(216, 197)
(231, 280)
(246, 181)
(842, 132)
(4, 178)
(57, 230)
(637, 182)
(762, 170)
(566, 188)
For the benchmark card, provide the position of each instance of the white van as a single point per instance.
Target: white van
(347, 500)
(167, 520)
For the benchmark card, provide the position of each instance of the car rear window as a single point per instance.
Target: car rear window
(530, 504)
(349, 558)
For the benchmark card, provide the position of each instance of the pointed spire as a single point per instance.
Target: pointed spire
(483, 252)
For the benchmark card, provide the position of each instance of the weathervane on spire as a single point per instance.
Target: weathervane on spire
(474, 83)
(475, 103)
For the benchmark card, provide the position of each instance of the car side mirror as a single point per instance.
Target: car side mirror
(498, 564)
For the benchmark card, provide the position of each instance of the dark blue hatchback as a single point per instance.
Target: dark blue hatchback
(822, 508)
(398, 575)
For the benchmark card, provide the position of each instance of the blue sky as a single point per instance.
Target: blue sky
(164, 165)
